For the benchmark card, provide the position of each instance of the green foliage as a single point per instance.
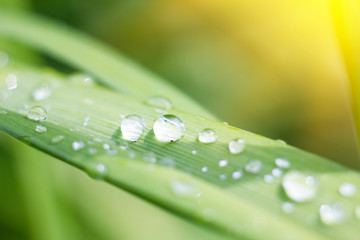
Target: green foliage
(247, 208)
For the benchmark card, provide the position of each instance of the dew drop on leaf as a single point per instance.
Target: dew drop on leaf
(332, 214)
(41, 129)
(236, 146)
(268, 178)
(237, 174)
(207, 136)
(168, 128)
(347, 189)
(159, 102)
(276, 172)
(97, 170)
(37, 114)
(57, 139)
(77, 145)
(184, 189)
(11, 81)
(299, 187)
(282, 163)
(132, 127)
(204, 169)
(288, 207)
(253, 166)
(223, 163)
(42, 93)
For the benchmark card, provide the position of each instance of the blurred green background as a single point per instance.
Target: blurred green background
(270, 67)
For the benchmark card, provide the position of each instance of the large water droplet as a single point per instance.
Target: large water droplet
(159, 102)
(236, 146)
(57, 139)
(77, 145)
(11, 81)
(299, 187)
(132, 127)
(347, 189)
(253, 166)
(207, 136)
(282, 163)
(40, 129)
(42, 93)
(184, 189)
(332, 214)
(37, 114)
(168, 128)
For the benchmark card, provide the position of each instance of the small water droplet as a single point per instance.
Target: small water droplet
(37, 114)
(97, 170)
(168, 128)
(276, 172)
(332, 214)
(223, 163)
(40, 129)
(132, 127)
(159, 102)
(268, 178)
(207, 136)
(97, 139)
(347, 189)
(282, 163)
(42, 93)
(204, 169)
(299, 187)
(92, 151)
(288, 207)
(86, 121)
(193, 152)
(167, 162)
(236, 146)
(184, 189)
(4, 59)
(11, 81)
(281, 141)
(77, 145)
(253, 166)
(357, 212)
(237, 174)
(223, 177)
(81, 78)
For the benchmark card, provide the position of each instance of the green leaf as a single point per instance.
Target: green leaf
(247, 207)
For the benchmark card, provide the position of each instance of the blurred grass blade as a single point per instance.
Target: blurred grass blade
(170, 174)
(346, 18)
(80, 51)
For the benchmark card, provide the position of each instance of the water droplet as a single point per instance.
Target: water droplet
(207, 136)
(167, 162)
(223, 177)
(223, 163)
(332, 214)
(276, 172)
(347, 189)
(11, 81)
(281, 141)
(97, 170)
(236, 146)
(357, 212)
(86, 121)
(237, 174)
(40, 129)
(92, 151)
(168, 128)
(282, 163)
(253, 166)
(268, 178)
(37, 114)
(299, 187)
(159, 102)
(42, 93)
(81, 78)
(57, 139)
(193, 152)
(184, 189)
(77, 145)
(204, 169)
(132, 127)
(288, 207)
(4, 59)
